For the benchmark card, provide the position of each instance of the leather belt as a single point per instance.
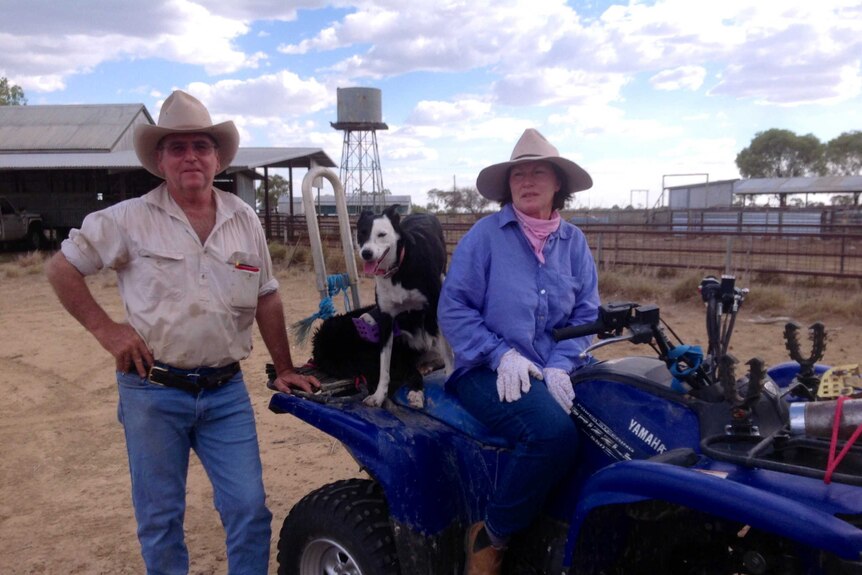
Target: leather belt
(192, 380)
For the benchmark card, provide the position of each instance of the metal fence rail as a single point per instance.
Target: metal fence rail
(765, 249)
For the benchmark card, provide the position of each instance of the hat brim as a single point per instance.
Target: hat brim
(493, 182)
(148, 136)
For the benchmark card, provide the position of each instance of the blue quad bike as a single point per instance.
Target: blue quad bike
(684, 467)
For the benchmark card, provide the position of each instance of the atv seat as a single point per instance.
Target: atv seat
(446, 408)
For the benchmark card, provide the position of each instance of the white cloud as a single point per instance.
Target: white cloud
(280, 95)
(682, 78)
(438, 113)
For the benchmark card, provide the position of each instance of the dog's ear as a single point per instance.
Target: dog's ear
(392, 213)
(364, 217)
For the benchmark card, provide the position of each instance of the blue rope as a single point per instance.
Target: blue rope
(326, 310)
(339, 283)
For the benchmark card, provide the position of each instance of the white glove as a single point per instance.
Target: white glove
(513, 375)
(560, 385)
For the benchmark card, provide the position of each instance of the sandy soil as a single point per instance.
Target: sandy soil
(64, 485)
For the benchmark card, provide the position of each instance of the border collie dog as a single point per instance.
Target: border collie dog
(408, 261)
(348, 346)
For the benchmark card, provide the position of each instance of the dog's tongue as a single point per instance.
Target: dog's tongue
(370, 268)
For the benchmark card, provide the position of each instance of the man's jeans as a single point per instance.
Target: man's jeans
(545, 441)
(161, 425)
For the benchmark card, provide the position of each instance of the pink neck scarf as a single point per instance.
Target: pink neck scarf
(537, 231)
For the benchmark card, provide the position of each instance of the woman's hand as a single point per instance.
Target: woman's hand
(513, 375)
(560, 385)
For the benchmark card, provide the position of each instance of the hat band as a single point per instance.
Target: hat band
(525, 156)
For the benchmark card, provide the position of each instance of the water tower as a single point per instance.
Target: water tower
(359, 117)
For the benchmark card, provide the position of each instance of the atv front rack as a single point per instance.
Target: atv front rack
(784, 453)
(331, 388)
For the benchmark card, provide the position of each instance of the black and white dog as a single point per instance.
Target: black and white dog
(408, 261)
(347, 346)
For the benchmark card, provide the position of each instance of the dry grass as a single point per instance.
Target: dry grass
(806, 297)
(22, 264)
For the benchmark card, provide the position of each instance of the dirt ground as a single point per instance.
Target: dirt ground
(64, 485)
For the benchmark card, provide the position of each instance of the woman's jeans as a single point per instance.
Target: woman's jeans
(161, 425)
(545, 441)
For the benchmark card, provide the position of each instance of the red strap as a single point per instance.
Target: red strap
(836, 423)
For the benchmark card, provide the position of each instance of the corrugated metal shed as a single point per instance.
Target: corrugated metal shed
(69, 128)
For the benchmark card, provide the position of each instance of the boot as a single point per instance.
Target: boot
(482, 557)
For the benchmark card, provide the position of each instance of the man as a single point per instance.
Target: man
(194, 272)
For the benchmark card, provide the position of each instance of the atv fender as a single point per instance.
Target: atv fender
(717, 495)
(431, 474)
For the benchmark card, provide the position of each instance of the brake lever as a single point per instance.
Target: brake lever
(605, 342)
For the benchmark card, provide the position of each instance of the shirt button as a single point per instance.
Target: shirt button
(542, 292)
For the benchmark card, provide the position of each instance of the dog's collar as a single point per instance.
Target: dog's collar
(391, 271)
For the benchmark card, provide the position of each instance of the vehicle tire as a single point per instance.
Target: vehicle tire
(35, 239)
(343, 528)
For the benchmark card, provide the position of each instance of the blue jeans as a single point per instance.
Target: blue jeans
(545, 443)
(162, 425)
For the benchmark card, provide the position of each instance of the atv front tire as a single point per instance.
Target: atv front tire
(340, 528)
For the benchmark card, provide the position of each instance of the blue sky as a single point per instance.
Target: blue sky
(634, 92)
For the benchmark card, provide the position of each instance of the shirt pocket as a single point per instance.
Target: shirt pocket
(163, 276)
(243, 280)
(563, 292)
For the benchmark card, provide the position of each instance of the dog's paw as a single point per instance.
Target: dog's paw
(374, 400)
(416, 399)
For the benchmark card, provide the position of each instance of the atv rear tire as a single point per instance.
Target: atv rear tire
(340, 528)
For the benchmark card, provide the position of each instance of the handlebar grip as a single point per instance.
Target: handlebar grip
(574, 331)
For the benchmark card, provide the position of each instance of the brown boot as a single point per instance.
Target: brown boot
(482, 557)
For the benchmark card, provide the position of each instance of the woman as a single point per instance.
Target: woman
(515, 277)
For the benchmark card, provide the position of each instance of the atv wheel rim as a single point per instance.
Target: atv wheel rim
(324, 556)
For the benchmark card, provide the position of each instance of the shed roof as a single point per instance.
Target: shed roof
(772, 186)
(815, 185)
(85, 127)
(246, 159)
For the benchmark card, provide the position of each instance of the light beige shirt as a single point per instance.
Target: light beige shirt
(192, 304)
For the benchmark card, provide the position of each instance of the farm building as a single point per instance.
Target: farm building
(721, 194)
(66, 161)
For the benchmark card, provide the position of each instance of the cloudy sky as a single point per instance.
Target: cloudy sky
(636, 92)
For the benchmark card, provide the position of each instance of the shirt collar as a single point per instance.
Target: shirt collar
(161, 198)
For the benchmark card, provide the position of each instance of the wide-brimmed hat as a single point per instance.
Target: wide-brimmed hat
(183, 113)
(493, 181)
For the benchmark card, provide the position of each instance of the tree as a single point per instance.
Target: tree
(843, 157)
(844, 154)
(278, 187)
(781, 154)
(458, 200)
(11, 95)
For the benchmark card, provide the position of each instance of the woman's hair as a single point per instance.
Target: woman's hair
(560, 198)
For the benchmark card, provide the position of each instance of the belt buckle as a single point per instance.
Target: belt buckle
(155, 369)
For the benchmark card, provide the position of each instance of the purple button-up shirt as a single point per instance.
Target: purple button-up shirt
(497, 295)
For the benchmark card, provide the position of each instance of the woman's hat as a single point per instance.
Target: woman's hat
(493, 181)
(183, 113)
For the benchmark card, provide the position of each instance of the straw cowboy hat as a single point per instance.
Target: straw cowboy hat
(493, 181)
(183, 113)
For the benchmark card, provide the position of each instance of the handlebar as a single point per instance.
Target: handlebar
(573, 331)
(613, 318)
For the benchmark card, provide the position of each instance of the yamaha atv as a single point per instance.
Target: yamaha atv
(685, 466)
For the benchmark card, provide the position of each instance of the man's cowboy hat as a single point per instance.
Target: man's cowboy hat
(493, 181)
(183, 113)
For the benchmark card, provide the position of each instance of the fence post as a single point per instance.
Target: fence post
(599, 253)
(728, 257)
